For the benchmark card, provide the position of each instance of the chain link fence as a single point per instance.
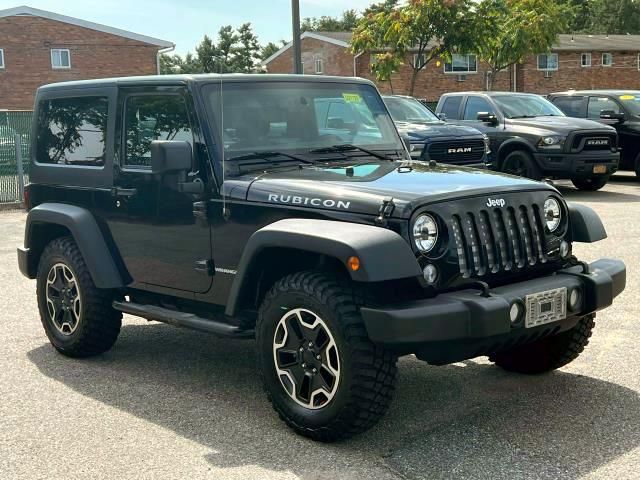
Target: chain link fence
(15, 154)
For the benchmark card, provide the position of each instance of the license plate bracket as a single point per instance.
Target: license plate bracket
(546, 307)
(599, 169)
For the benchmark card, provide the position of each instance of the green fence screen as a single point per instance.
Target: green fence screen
(12, 124)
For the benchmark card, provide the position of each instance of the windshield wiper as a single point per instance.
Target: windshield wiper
(347, 147)
(524, 116)
(268, 155)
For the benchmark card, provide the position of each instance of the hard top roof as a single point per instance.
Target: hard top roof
(615, 92)
(199, 78)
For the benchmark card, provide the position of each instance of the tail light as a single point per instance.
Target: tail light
(26, 197)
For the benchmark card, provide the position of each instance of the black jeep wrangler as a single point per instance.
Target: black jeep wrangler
(531, 137)
(432, 139)
(224, 204)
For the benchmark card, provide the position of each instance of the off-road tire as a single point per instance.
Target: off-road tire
(368, 372)
(99, 323)
(521, 163)
(548, 353)
(590, 184)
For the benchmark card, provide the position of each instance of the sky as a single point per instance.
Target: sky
(185, 22)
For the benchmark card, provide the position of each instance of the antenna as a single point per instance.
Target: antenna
(222, 190)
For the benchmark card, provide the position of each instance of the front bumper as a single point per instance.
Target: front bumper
(577, 165)
(464, 324)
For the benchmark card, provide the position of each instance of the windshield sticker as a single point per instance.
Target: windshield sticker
(352, 97)
(627, 97)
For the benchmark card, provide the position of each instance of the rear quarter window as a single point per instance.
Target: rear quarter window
(72, 131)
(451, 107)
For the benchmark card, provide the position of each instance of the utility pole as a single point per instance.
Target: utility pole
(297, 52)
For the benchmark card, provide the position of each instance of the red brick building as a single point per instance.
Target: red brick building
(39, 47)
(576, 61)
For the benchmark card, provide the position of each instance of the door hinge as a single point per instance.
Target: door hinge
(385, 211)
(206, 267)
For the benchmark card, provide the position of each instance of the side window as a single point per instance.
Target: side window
(72, 131)
(597, 104)
(339, 116)
(571, 106)
(451, 107)
(149, 118)
(474, 106)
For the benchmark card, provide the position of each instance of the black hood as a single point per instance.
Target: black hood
(559, 125)
(422, 132)
(361, 187)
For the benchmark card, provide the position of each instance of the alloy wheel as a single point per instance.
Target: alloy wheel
(63, 299)
(306, 358)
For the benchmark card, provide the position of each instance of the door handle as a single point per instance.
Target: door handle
(123, 192)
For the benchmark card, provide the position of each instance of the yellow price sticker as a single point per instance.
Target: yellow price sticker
(627, 97)
(352, 98)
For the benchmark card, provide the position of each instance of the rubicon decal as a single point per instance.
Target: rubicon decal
(313, 201)
(496, 202)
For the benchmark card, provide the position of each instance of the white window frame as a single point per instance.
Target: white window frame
(319, 62)
(547, 69)
(415, 60)
(583, 56)
(59, 52)
(1, 58)
(461, 72)
(602, 59)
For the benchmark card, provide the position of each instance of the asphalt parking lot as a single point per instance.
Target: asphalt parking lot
(171, 403)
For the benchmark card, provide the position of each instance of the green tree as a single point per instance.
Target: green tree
(170, 64)
(269, 49)
(614, 16)
(247, 50)
(206, 52)
(509, 30)
(345, 23)
(428, 29)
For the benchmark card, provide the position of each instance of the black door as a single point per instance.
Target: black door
(160, 241)
(627, 139)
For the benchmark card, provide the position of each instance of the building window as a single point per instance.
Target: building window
(60, 58)
(1, 58)
(319, 66)
(467, 63)
(607, 59)
(419, 61)
(548, 61)
(585, 59)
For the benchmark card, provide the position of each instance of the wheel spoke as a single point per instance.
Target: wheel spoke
(287, 358)
(304, 388)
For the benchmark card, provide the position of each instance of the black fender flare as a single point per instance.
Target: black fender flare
(520, 142)
(87, 235)
(585, 224)
(384, 255)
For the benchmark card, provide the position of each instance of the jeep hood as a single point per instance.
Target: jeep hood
(559, 125)
(421, 132)
(362, 187)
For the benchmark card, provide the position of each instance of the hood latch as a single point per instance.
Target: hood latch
(385, 211)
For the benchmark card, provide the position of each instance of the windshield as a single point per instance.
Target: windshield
(524, 106)
(631, 102)
(409, 110)
(296, 117)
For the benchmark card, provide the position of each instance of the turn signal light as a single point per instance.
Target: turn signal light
(353, 263)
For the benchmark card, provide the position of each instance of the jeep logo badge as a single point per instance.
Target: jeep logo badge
(459, 150)
(496, 202)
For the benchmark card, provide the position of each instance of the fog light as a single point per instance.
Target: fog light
(515, 312)
(565, 249)
(575, 297)
(430, 274)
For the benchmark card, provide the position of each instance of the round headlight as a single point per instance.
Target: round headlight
(425, 233)
(552, 213)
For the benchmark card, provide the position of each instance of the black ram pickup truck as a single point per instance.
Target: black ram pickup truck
(531, 137)
(617, 108)
(222, 203)
(432, 139)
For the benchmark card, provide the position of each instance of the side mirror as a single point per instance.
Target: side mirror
(612, 115)
(442, 116)
(336, 123)
(170, 156)
(487, 117)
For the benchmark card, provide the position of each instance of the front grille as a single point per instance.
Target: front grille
(454, 151)
(494, 240)
(581, 141)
